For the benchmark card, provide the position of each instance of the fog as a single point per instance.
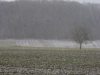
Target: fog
(87, 1)
(81, 1)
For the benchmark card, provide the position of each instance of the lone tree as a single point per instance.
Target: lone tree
(80, 35)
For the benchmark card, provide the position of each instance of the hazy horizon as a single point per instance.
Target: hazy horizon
(81, 1)
(87, 1)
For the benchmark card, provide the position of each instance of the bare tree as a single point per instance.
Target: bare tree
(80, 35)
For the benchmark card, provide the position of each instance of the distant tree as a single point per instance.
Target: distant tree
(80, 35)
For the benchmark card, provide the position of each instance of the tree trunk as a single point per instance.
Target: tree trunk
(80, 46)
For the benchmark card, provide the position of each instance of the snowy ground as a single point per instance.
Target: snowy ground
(57, 43)
(48, 43)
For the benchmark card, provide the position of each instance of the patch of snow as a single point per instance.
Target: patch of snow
(57, 43)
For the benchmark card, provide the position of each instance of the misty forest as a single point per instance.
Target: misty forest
(47, 20)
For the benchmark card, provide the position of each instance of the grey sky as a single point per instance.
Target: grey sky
(82, 1)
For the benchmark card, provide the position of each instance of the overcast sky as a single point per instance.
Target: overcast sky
(91, 1)
(82, 1)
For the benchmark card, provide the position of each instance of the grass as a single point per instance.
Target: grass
(49, 58)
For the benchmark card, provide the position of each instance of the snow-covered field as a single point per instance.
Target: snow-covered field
(48, 43)
(57, 43)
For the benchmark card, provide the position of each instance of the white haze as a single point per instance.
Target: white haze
(7, 0)
(87, 1)
(47, 43)
(81, 1)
